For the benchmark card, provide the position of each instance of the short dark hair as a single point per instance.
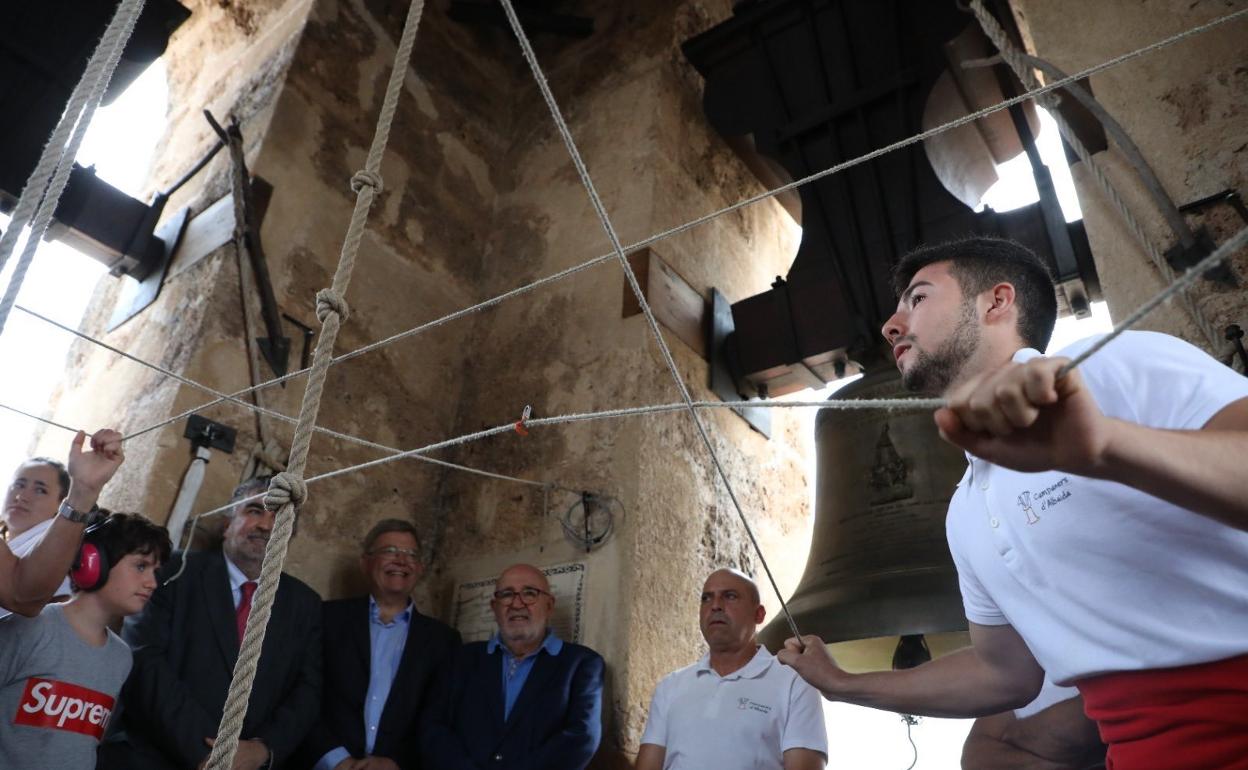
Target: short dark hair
(250, 487)
(978, 263)
(62, 474)
(125, 533)
(389, 525)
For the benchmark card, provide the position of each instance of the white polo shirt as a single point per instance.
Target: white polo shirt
(1097, 576)
(747, 719)
(1050, 695)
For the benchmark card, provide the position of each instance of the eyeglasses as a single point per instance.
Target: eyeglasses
(394, 550)
(528, 595)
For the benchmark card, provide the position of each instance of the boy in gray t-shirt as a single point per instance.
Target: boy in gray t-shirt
(61, 670)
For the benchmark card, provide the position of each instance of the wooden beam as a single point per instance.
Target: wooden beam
(676, 304)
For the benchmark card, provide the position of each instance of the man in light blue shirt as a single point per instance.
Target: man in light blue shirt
(380, 656)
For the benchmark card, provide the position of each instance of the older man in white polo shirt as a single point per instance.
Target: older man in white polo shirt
(737, 707)
(1101, 530)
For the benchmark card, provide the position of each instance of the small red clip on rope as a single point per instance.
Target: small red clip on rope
(528, 409)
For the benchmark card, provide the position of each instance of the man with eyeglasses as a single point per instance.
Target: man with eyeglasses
(524, 700)
(380, 657)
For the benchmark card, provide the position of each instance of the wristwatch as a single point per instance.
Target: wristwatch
(77, 517)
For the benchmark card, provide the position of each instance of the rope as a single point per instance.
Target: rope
(1219, 255)
(256, 407)
(44, 420)
(47, 182)
(608, 414)
(1027, 74)
(288, 490)
(389, 340)
(1229, 247)
(607, 227)
(669, 233)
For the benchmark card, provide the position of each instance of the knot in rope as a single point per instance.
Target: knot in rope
(329, 301)
(366, 178)
(285, 488)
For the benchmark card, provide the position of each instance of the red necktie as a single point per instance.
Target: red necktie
(244, 609)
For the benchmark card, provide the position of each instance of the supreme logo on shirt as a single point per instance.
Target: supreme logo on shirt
(55, 705)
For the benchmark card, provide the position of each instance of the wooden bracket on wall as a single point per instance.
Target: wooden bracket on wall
(682, 310)
(676, 304)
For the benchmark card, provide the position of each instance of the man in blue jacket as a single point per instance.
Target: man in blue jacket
(524, 700)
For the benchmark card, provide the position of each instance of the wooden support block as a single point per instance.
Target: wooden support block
(676, 304)
(208, 231)
(213, 227)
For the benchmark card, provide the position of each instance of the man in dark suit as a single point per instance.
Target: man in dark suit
(524, 700)
(380, 658)
(185, 646)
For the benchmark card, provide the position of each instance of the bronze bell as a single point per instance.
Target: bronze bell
(879, 565)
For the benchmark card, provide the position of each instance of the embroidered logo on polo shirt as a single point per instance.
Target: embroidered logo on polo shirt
(1049, 497)
(745, 704)
(55, 705)
(1024, 502)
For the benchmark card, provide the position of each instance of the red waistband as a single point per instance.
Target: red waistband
(1192, 717)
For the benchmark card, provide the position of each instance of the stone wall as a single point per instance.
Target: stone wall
(223, 60)
(1185, 107)
(308, 111)
(480, 197)
(634, 107)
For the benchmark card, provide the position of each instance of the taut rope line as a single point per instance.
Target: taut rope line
(1219, 255)
(665, 234)
(608, 414)
(605, 221)
(222, 397)
(1239, 240)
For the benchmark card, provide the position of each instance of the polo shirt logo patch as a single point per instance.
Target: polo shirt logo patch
(1024, 502)
(745, 704)
(56, 705)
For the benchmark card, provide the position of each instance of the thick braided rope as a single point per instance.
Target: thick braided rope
(1026, 73)
(47, 181)
(55, 149)
(609, 229)
(694, 223)
(330, 307)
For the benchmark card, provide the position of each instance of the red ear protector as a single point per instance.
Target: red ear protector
(90, 570)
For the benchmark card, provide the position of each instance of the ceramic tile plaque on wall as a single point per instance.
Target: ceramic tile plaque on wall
(474, 619)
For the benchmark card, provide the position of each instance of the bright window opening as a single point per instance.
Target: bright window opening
(120, 144)
(1016, 187)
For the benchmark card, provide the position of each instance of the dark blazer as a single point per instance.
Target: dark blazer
(555, 724)
(185, 644)
(348, 661)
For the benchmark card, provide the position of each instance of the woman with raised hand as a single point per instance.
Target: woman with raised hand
(46, 508)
